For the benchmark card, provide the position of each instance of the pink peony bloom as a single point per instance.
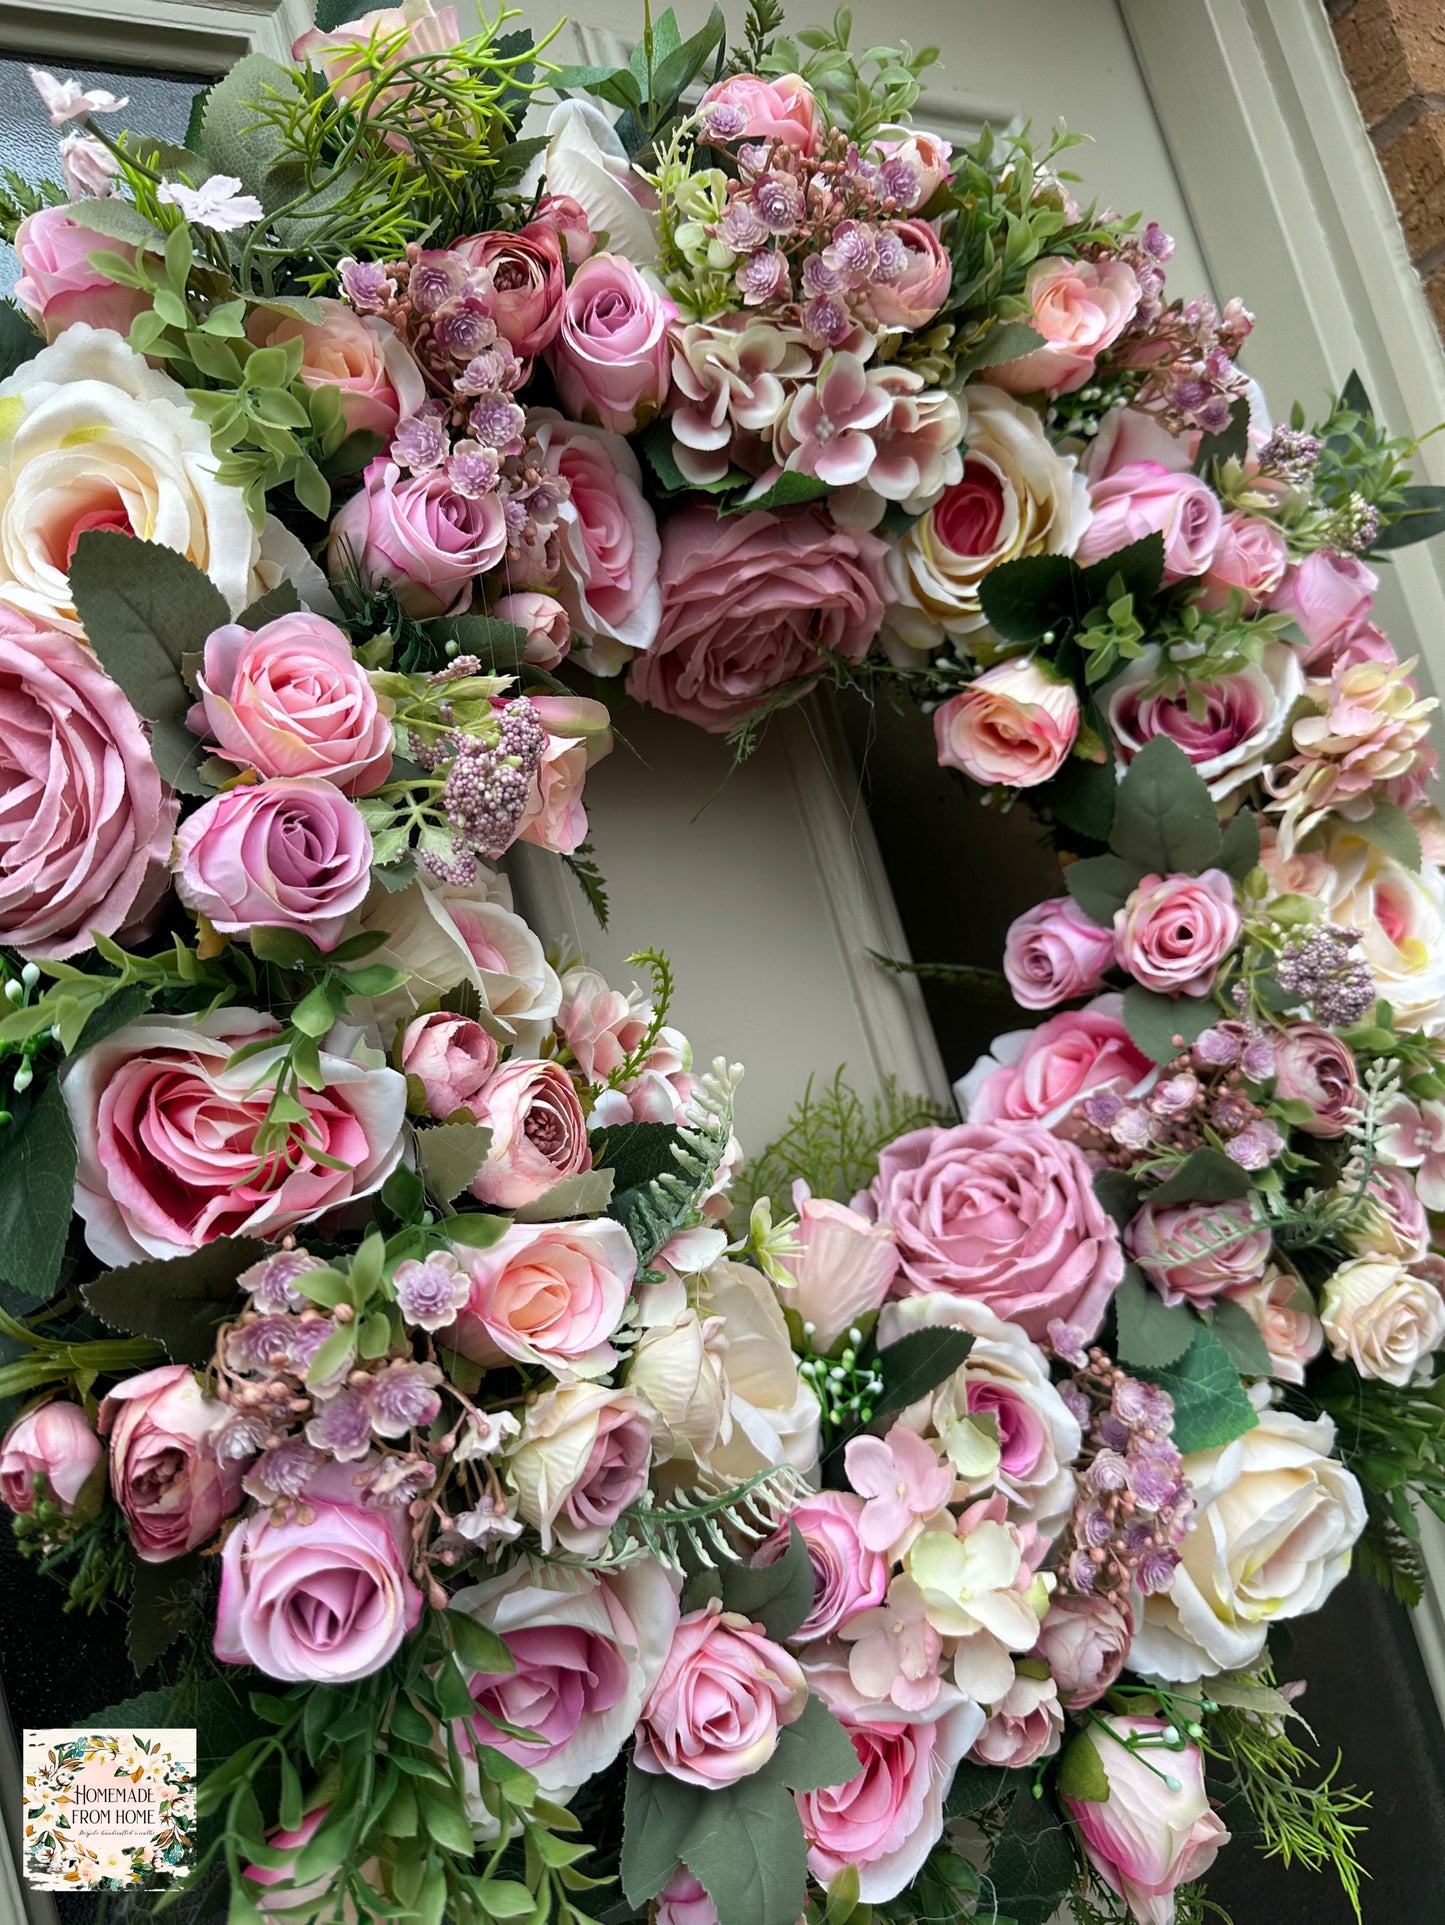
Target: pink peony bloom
(288, 854)
(546, 621)
(1002, 1212)
(164, 1471)
(748, 604)
(1315, 1067)
(53, 1441)
(1145, 498)
(1054, 952)
(1080, 308)
(290, 699)
(1015, 725)
(721, 1699)
(842, 1269)
(548, 1294)
(607, 540)
(528, 283)
(361, 356)
(1191, 1252)
(418, 536)
(1251, 555)
(902, 1484)
(612, 357)
(1025, 1725)
(86, 822)
(1174, 931)
(1042, 1075)
(452, 1057)
(743, 107)
(1326, 595)
(166, 1124)
(847, 1577)
(58, 285)
(912, 300)
(539, 1134)
(1084, 1641)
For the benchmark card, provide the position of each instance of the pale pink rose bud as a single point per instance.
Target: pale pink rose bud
(1326, 594)
(164, 1472)
(612, 356)
(1053, 953)
(847, 1578)
(87, 167)
(279, 1891)
(1284, 1311)
(528, 283)
(926, 154)
(568, 220)
(1251, 555)
(362, 357)
(57, 284)
(762, 110)
(1174, 931)
(416, 534)
(1080, 308)
(579, 733)
(539, 1134)
(548, 625)
(842, 1271)
(1193, 1252)
(723, 1696)
(54, 1442)
(452, 1057)
(277, 855)
(1015, 725)
(1145, 498)
(1025, 1725)
(1156, 1830)
(1313, 1066)
(1383, 1317)
(1084, 1641)
(683, 1901)
(915, 296)
(548, 1294)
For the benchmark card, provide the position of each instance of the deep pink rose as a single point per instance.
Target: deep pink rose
(419, 536)
(745, 107)
(539, 1134)
(165, 1125)
(290, 698)
(528, 283)
(1190, 1252)
(1024, 1726)
(1326, 594)
(58, 285)
(1174, 931)
(748, 603)
(1251, 555)
(452, 1057)
(324, 1601)
(722, 1697)
(1002, 1212)
(54, 1442)
(847, 1578)
(1227, 726)
(912, 300)
(1080, 308)
(1077, 1054)
(361, 356)
(841, 1270)
(548, 1294)
(1015, 725)
(276, 855)
(85, 820)
(1315, 1067)
(1053, 953)
(612, 357)
(1084, 1641)
(164, 1472)
(607, 540)
(546, 621)
(1145, 498)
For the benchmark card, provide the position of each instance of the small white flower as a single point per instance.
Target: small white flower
(68, 100)
(217, 203)
(486, 1523)
(87, 166)
(483, 1432)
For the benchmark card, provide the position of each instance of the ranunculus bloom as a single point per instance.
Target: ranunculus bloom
(288, 854)
(683, 1900)
(539, 1134)
(842, 1269)
(1193, 1251)
(1226, 728)
(1002, 1212)
(290, 698)
(720, 1700)
(1145, 498)
(86, 822)
(1155, 1831)
(1042, 1075)
(1080, 308)
(326, 1601)
(1054, 952)
(607, 541)
(54, 1442)
(1084, 1641)
(1284, 1310)
(1015, 725)
(58, 286)
(847, 1577)
(452, 1058)
(912, 300)
(582, 1458)
(1385, 1317)
(762, 110)
(1174, 931)
(1024, 1726)
(528, 283)
(1250, 555)
(749, 605)
(1326, 594)
(611, 358)
(548, 1294)
(1315, 1067)
(546, 621)
(419, 536)
(165, 1125)
(361, 356)
(1276, 1522)
(164, 1472)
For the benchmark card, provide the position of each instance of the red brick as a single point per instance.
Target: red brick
(1435, 291)
(1414, 165)
(1375, 59)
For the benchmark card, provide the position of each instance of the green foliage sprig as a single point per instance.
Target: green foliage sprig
(832, 1140)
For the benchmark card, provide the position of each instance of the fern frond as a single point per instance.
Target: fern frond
(696, 1526)
(671, 1202)
(589, 879)
(655, 962)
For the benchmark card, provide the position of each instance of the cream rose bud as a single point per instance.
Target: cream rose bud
(842, 1269)
(582, 1458)
(1384, 1317)
(772, 1414)
(679, 1367)
(1015, 725)
(539, 1134)
(1284, 1310)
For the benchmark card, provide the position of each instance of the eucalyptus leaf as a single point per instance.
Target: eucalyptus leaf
(234, 140)
(180, 1301)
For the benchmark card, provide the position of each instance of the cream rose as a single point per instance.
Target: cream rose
(774, 1413)
(1400, 915)
(1384, 1317)
(581, 1459)
(679, 1366)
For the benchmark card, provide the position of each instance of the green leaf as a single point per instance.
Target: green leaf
(499, 646)
(657, 448)
(233, 141)
(331, 14)
(1032, 1864)
(778, 1595)
(1389, 829)
(158, 1593)
(1005, 341)
(787, 491)
(19, 342)
(659, 1815)
(1205, 1176)
(1165, 819)
(450, 1155)
(1354, 397)
(277, 601)
(634, 1152)
(975, 1788)
(179, 1301)
(1230, 444)
(1239, 845)
(122, 220)
(1151, 1332)
(917, 1364)
(1100, 885)
(1137, 570)
(476, 1229)
(1022, 599)
(814, 1752)
(1153, 1021)
(615, 85)
(123, 1006)
(37, 1191)
(1210, 1405)
(1081, 1773)
(1421, 518)
(146, 1711)
(1083, 796)
(751, 1857)
(674, 71)
(1118, 1192)
(586, 1194)
(479, 1648)
(1241, 1337)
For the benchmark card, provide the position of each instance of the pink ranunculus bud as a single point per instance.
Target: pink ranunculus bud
(55, 1442)
(361, 356)
(539, 1134)
(568, 220)
(718, 1658)
(912, 300)
(1315, 1067)
(546, 621)
(842, 1270)
(58, 285)
(528, 283)
(612, 355)
(164, 1471)
(1326, 594)
(1015, 725)
(1145, 498)
(1085, 1642)
(417, 535)
(1053, 953)
(548, 1294)
(452, 1057)
(1192, 1252)
(1155, 1831)
(1174, 931)
(1080, 308)
(745, 107)
(1251, 555)
(1024, 1726)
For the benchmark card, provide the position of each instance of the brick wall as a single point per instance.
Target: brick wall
(1394, 54)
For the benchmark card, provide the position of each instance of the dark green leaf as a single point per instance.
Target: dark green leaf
(1100, 885)
(1022, 599)
(1119, 1194)
(778, 1595)
(19, 342)
(499, 646)
(1205, 1176)
(1153, 1021)
(277, 601)
(1422, 518)
(676, 70)
(37, 1189)
(177, 1300)
(635, 1153)
(331, 14)
(1164, 819)
(158, 1597)
(477, 1647)
(1239, 846)
(1137, 570)
(1389, 829)
(1230, 444)
(1210, 1405)
(975, 1788)
(786, 492)
(1150, 1332)
(615, 85)
(917, 1364)
(147, 1710)
(751, 1857)
(1005, 341)
(450, 1155)
(660, 1815)
(1032, 1864)
(1241, 1337)
(813, 1754)
(129, 1002)
(1082, 796)
(1353, 396)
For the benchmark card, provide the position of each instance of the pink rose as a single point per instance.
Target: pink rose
(1251, 555)
(749, 604)
(1325, 595)
(1315, 1067)
(926, 154)
(1227, 727)
(416, 534)
(539, 1134)
(720, 1700)
(745, 107)
(361, 356)
(55, 1442)
(288, 854)
(568, 220)
(290, 699)
(847, 1578)
(548, 1294)
(684, 1901)
(1080, 308)
(344, 56)
(607, 540)
(86, 822)
(1005, 1213)
(842, 1269)
(528, 283)
(1284, 1311)
(1155, 1830)
(1084, 1641)
(452, 1057)
(578, 734)
(548, 625)
(912, 300)
(1191, 1252)
(165, 1124)
(164, 1472)
(1174, 931)
(1145, 498)
(1042, 1075)
(58, 285)
(327, 1600)
(1053, 953)
(1024, 1726)
(1015, 725)
(612, 357)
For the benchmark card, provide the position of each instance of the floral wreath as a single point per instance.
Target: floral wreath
(52, 1852)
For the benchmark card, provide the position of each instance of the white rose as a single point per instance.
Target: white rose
(1245, 714)
(1277, 1520)
(92, 437)
(680, 1368)
(1400, 916)
(1383, 1317)
(585, 159)
(558, 1451)
(773, 1414)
